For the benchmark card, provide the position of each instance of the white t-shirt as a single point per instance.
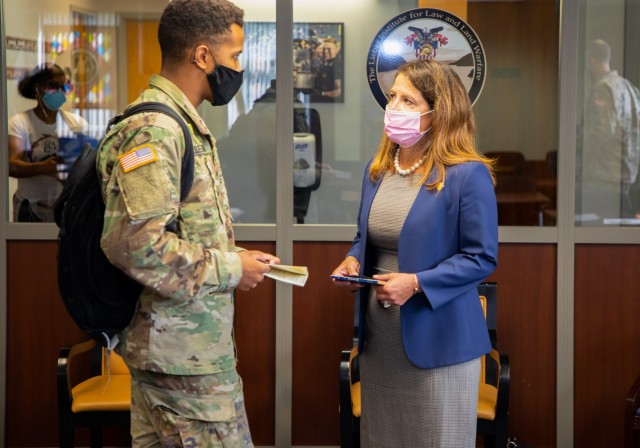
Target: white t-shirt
(41, 142)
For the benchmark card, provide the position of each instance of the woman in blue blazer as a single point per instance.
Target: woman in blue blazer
(428, 231)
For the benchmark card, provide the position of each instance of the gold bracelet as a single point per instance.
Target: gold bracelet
(416, 289)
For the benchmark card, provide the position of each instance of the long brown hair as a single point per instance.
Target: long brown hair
(453, 126)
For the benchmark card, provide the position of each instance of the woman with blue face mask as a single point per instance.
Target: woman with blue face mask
(35, 139)
(428, 232)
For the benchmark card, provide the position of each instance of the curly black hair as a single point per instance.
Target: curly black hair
(187, 23)
(37, 77)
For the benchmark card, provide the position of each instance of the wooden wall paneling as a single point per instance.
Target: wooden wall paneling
(607, 340)
(255, 334)
(526, 277)
(322, 328)
(37, 327)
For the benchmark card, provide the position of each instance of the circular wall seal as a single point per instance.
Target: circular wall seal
(425, 33)
(84, 66)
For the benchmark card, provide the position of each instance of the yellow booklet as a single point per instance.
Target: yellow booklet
(296, 275)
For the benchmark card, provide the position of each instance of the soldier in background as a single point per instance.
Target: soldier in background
(179, 345)
(611, 148)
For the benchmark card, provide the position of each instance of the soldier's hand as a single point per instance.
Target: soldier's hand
(254, 267)
(263, 256)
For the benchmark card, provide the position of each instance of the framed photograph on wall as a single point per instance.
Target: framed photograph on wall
(319, 61)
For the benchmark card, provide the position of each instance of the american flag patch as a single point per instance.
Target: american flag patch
(138, 156)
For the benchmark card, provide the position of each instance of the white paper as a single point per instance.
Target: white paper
(295, 275)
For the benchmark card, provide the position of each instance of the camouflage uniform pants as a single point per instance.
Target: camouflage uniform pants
(188, 411)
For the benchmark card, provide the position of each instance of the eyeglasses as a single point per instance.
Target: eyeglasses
(67, 87)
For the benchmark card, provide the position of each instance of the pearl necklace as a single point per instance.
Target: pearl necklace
(409, 170)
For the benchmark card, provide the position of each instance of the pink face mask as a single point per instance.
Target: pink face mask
(403, 127)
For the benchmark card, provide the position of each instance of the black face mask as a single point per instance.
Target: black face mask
(224, 83)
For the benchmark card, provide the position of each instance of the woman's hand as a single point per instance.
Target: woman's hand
(349, 266)
(21, 168)
(398, 289)
(48, 166)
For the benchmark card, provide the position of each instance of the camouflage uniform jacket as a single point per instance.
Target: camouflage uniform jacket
(612, 131)
(184, 322)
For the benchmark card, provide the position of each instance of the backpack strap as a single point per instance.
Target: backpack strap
(186, 173)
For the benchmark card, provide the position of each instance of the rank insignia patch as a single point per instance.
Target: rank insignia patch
(137, 157)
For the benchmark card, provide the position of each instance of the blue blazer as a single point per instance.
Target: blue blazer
(450, 241)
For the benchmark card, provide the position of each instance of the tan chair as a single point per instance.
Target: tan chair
(493, 394)
(495, 378)
(102, 400)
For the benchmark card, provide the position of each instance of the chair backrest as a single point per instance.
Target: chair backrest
(489, 291)
(483, 302)
(489, 363)
(483, 362)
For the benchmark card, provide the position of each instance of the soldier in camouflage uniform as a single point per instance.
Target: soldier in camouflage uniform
(179, 346)
(611, 149)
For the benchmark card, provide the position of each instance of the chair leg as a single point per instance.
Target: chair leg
(356, 438)
(490, 442)
(65, 433)
(501, 438)
(96, 437)
(346, 431)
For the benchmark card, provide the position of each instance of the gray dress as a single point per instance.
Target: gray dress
(403, 405)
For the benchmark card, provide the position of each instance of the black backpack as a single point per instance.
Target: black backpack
(100, 298)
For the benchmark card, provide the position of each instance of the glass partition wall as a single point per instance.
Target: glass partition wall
(107, 53)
